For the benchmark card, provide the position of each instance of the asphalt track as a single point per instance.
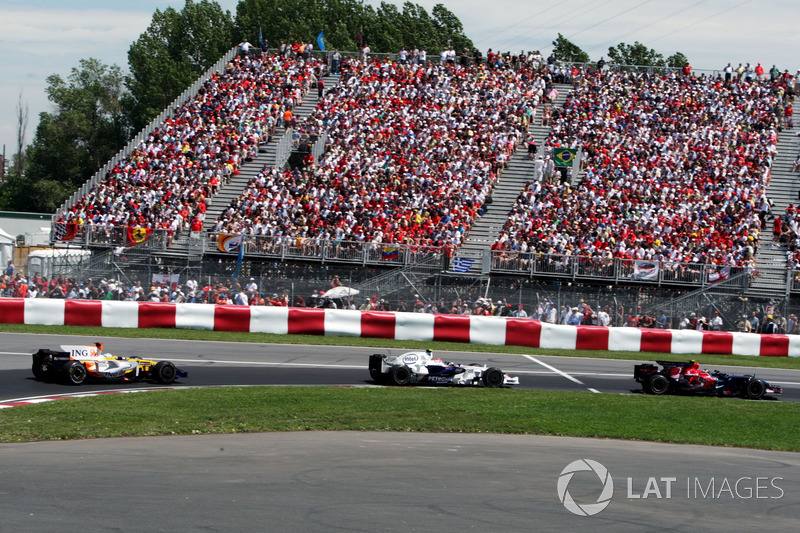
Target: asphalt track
(352, 481)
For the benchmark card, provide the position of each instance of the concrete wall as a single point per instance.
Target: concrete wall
(402, 326)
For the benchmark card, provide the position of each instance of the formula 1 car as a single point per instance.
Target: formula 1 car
(76, 364)
(689, 378)
(420, 368)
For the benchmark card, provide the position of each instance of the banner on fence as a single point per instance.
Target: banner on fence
(645, 271)
(719, 275)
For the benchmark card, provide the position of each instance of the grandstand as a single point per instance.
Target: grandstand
(413, 175)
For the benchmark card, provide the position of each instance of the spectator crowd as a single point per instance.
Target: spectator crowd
(413, 151)
(676, 169)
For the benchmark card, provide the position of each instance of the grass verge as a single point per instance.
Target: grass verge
(318, 340)
(713, 421)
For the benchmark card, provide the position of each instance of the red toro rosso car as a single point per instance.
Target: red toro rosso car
(688, 378)
(77, 364)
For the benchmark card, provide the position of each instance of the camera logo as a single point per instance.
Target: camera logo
(586, 509)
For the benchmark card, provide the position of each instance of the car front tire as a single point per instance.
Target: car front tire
(755, 389)
(493, 378)
(165, 372)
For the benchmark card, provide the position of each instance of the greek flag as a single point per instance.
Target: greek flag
(462, 264)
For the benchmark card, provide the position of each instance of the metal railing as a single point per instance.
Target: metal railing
(565, 267)
(283, 149)
(728, 291)
(616, 270)
(190, 92)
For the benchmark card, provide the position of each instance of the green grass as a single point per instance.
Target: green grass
(264, 338)
(711, 421)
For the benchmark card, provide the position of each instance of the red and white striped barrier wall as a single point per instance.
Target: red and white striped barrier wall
(401, 326)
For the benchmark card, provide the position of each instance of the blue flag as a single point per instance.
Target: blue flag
(260, 39)
(320, 41)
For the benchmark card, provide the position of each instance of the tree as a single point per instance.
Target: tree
(385, 28)
(87, 128)
(677, 60)
(12, 181)
(172, 53)
(22, 132)
(565, 50)
(636, 54)
(450, 29)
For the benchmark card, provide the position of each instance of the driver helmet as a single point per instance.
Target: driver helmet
(99, 346)
(429, 351)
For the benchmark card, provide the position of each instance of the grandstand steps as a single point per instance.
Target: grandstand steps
(513, 179)
(415, 276)
(723, 297)
(783, 189)
(267, 156)
(771, 281)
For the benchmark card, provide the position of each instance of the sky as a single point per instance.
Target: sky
(43, 37)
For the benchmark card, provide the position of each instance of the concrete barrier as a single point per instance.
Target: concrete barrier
(401, 326)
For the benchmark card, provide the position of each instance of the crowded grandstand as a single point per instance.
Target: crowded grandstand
(674, 166)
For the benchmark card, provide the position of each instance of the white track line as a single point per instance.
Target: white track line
(559, 372)
(265, 363)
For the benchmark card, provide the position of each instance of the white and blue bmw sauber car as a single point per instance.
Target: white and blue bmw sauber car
(421, 368)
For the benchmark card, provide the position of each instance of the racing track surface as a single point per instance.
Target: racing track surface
(219, 363)
(349, 481)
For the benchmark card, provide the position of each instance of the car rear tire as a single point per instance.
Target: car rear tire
(165, 372)
(493, 378)
(657, 384)
(75, 373)
(755, 389)
(401, 375)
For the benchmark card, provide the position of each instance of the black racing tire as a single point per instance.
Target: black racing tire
(41, 371)
(657, 384)
(75, 373)
(401, 375)
(493, 377)
(755, 389)
(165, 372)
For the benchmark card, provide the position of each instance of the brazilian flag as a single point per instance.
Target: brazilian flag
(564, 157)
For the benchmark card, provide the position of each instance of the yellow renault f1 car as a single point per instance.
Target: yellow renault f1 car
(77, 364)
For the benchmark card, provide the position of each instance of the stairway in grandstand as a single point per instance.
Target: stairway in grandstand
(519, 171)
(267, 156)
(720, 297)
(783, 189)
(414, 275)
